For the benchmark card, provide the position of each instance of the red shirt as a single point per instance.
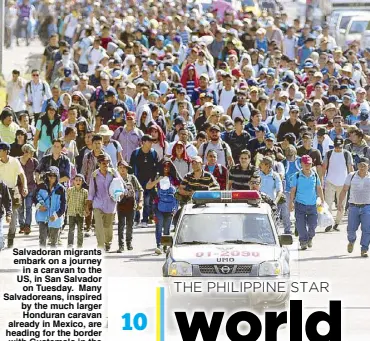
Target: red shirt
(105, 41)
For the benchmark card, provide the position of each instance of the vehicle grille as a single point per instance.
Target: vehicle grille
(207, 269)
(243, 269)
(216, 269)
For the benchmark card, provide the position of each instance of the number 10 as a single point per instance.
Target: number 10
(140, 321)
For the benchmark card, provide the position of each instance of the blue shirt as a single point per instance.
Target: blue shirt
(45, 141)
(252, 132)
(271, 184)
(351, 119)
(291, 168)
(306, 189)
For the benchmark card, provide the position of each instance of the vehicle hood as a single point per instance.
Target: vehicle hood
(231, 254)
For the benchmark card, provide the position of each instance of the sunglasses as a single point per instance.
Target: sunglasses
(35, 75)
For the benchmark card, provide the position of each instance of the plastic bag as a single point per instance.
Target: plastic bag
(325, 218)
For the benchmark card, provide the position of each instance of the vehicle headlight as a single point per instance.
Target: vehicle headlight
(269, 269)
(180, 269)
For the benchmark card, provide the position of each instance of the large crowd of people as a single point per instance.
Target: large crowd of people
(159, 99)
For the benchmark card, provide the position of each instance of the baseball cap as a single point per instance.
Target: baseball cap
(334, 99)
(338, 141)
(360, 91)
(123, 163)
(215, 127)
(321, 132)
(103, 157)
(329, 106)
(354, 105)
(299, 96)
(306, 159)
(179, 120)
(131, 115)
(280, 105)
(4, 146)
(197, 159)
(364, 160)
(364, 115)
(294, 108)
(270, 136)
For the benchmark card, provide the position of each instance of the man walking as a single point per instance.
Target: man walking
(100, 201)
(306, 187)
(337, 165)
(359, 206)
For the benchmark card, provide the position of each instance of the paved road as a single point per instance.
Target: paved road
(327, 261)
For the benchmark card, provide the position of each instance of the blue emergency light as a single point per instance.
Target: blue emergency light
(204, 197)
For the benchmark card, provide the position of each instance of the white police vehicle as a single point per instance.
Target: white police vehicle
(228, 234)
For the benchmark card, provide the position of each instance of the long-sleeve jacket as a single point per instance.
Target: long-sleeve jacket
(5, 200)
(55, 202)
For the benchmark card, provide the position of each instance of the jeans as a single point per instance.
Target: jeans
(163, 223)
(148, 206)
(330, 192)
(44, 231)
(26, 206)
(125, 219)
(83, 68)
(12, 225)
(357, 216)
(306, 221)
(1, 234)
(285, 216)
(73, 221)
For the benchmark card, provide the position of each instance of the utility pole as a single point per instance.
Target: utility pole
(2, 31)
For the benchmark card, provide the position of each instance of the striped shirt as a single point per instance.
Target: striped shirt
(240, 177)
(207, 182)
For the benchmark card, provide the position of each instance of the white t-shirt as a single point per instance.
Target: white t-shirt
(289, 47)
(95, 55)
(9, 171)
(337, 171)
(72, 23)
(112, 149)
(226, 98)
(275, 122)
(241, 111)
(190, 149)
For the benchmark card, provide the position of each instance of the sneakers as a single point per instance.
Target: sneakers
(158, 250)
(328, 228)
(107, 247)
(304, 246)
(121, 249)
(335, 227)
(70, 245)
(364, 254)
(60, 243)
(309, 244)
(21, 229)
(350, 247)
(129, 246)
(136, 224)
(143, 224)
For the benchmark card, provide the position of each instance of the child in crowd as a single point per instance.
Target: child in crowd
(76, 204)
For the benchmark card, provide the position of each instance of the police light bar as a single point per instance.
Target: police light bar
(204, 197)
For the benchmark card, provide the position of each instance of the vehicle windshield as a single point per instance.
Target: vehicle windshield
(249, 3)
(345, 21)
(219, 228)
(358, 26)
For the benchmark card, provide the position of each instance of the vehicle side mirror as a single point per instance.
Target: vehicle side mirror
(342, 31)
(167, 241)
(286, 239)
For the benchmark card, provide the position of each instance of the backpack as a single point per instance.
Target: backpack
(346, 157)
(297, 176)
(127, 203)
(152, 153)
(29, 87)
(223, 144)
(167, 202)
(95, 173)
(356, 157)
